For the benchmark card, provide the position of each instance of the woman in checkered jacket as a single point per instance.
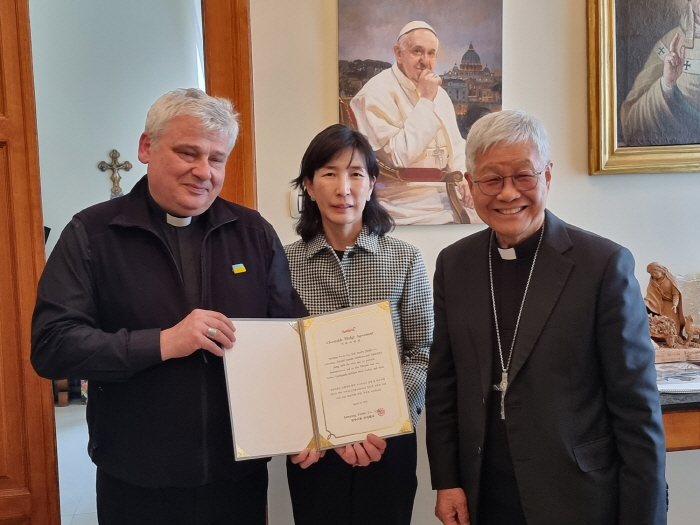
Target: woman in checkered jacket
(345, 259)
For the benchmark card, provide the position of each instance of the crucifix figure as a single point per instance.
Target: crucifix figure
(115, 166)
(502, 387)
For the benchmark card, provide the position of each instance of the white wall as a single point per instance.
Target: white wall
(656, 216)
(98, 66)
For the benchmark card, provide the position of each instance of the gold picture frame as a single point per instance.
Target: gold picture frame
(605, 156)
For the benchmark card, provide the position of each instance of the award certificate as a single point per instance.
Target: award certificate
(318, 382)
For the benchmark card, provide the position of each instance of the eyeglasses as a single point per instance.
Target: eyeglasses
(523, 181)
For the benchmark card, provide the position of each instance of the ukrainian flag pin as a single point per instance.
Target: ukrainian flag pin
(238, 268)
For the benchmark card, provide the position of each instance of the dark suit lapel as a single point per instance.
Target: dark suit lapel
(551, 272)
(479, 318)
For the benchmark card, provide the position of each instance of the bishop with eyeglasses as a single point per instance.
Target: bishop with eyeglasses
(541, 404)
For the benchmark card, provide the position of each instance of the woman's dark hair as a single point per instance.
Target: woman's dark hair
(323, 148)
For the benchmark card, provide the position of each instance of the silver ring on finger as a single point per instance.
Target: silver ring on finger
(211, 332)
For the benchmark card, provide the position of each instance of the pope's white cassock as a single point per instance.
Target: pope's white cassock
(658, 114)
(407, 131)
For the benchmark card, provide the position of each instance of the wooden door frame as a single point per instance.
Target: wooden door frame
(31, 497)
(228, 72)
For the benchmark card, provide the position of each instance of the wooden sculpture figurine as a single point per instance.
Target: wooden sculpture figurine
(691, 329)
(663, 329)
(664, 296)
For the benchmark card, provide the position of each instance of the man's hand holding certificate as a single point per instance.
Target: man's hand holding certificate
(317, 383)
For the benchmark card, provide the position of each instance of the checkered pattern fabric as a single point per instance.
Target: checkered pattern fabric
(374, 269)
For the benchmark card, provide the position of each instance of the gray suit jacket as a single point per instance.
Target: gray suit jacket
(582, 408)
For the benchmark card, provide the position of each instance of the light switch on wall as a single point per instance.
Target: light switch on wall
(296, 201)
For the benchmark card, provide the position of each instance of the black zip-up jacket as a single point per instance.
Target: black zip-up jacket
(109, 287)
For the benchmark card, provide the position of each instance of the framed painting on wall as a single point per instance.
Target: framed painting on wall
(644, 86)
(414, 75)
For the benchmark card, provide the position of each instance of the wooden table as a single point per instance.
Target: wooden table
(681, 415)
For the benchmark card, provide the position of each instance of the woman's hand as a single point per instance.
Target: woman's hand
(307, 457)
(362, 454)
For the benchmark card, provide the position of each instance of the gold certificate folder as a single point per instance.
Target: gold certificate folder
(317, 382)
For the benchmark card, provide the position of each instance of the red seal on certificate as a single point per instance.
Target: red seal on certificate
(381, 411)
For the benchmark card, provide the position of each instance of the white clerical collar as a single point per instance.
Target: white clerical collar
(507, 254)
(178, 221)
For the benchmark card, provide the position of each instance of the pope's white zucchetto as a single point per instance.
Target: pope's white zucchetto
(415, 25)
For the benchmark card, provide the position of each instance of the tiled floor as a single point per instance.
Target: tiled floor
(76, 473)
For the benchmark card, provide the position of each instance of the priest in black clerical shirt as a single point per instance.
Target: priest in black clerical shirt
(541, 403)
(136, 298)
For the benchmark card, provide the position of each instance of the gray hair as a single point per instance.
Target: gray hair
(509, 126)
(401, 42)
(216, 114)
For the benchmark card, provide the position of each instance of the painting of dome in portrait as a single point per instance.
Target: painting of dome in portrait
(658, 72)
(414, 76)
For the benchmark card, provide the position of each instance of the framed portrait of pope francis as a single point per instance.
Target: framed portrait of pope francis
(414, 76)
(644, 86)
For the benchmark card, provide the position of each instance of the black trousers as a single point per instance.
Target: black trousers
(241, 502)
(333, 492)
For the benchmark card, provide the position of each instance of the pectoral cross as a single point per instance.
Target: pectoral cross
(115, 166)
(502, 387)
(437, 153)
